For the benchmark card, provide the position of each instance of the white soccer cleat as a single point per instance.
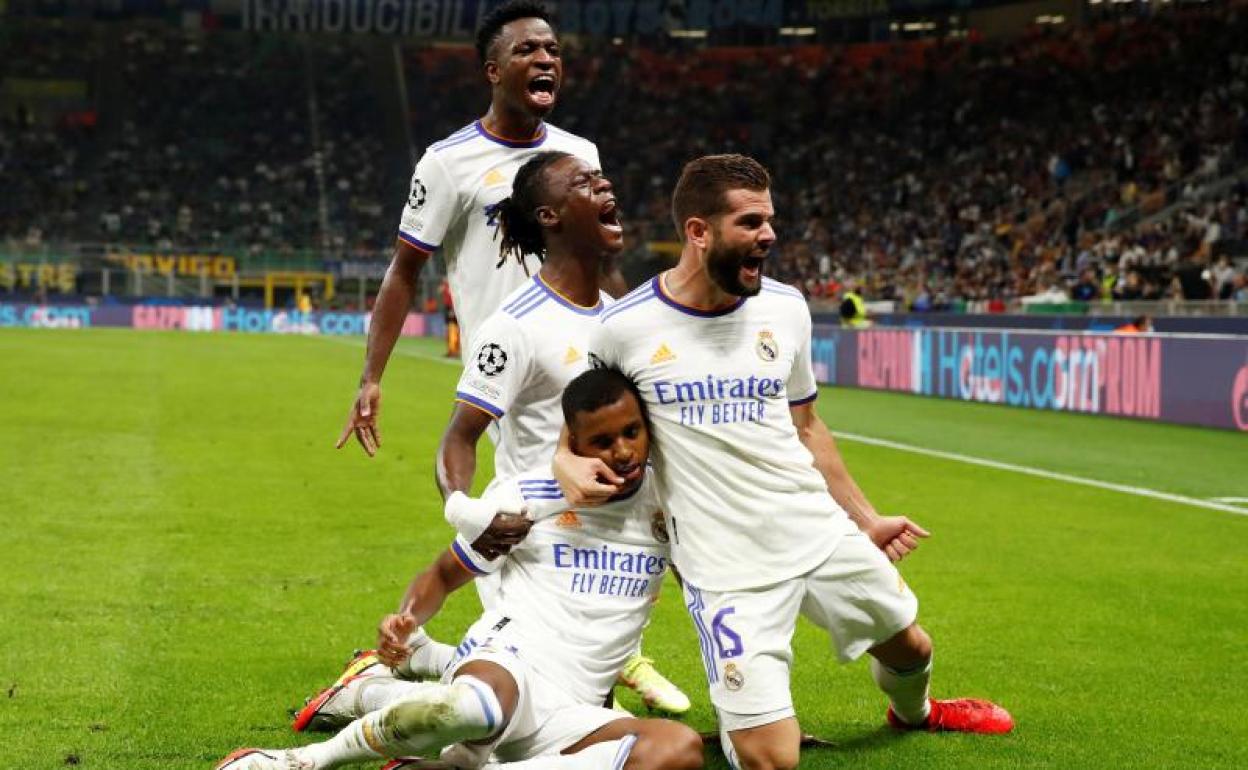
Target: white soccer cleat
(656, 691)
(262, 759)
(337, 704)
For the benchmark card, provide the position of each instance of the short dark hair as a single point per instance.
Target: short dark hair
(595, 388)
(517, 213)
(492, 25)
(702, 190)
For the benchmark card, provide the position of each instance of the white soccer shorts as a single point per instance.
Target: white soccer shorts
(547, 719)
(856, 595)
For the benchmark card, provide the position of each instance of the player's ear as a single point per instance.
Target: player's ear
(696, 230)
(493, 72)
(547, 216)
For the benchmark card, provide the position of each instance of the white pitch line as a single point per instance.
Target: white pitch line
(1229, 499)
(969, 460)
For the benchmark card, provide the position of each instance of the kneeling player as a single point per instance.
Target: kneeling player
(528, 682)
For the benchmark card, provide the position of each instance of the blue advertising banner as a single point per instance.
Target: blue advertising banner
(1189, 379)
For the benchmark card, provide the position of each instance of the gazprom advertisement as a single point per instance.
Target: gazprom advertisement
(1190, 379)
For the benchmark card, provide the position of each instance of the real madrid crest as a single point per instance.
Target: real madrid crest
(767, 347)
(658, 527)
(733, 678)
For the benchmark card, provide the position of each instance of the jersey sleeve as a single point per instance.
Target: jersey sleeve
(801, 386)
(473, 561)
(541, 494)
(498, 367)
(432, 205)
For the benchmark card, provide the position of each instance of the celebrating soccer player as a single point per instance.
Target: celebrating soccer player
(528, 683)
(453, 206)
(765, 520)
(453, 201)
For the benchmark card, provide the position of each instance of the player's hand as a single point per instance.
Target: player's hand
(504, 533)
(392, 635)
(896, 536)
(583, 480)
(362, 421)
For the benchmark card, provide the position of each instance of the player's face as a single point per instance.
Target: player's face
(617, 435)
(740, 240)
(584, 201)
(528, 68)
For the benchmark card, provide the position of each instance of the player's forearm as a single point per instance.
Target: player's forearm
(428, 590)
(398, 290)
(456, 464)
(844, 490)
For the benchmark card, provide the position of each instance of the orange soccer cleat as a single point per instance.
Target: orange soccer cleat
(964, 715)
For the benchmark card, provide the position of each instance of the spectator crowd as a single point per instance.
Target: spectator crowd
(1073, 163)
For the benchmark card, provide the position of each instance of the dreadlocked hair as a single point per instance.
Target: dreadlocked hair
(517, 213)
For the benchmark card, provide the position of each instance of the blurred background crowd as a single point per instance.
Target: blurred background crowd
(1072, 163)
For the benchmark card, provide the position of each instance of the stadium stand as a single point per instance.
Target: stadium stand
(937, 174)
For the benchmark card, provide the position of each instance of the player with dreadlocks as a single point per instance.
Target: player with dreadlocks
(563, 212)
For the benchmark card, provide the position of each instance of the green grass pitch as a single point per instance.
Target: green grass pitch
(184, 557)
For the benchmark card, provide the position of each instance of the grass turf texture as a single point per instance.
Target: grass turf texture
(185, 558)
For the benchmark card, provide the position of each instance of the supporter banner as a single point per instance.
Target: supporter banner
(457, 19)
(199, 319)
(187, 265)
(61, 277)
(1191, 380)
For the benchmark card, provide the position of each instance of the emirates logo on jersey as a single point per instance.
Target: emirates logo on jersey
(569, 520)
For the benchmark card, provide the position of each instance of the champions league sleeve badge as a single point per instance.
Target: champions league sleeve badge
(419, 194)
(491, 359)
(767, 347)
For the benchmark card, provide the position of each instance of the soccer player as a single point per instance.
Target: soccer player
(454, 195)
(563, 212)
(765, 519)
(528, 682)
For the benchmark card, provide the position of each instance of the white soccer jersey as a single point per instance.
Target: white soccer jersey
(526, 354)
(746, 504)
(452, 205)
(577, 591)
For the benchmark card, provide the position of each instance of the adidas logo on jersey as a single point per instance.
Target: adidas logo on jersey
(569, 520)
(493, 177)
(572, 356)
(664, 353)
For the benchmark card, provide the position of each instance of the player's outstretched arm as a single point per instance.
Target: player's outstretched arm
(424, 597)
(398, 289)
(895, 535)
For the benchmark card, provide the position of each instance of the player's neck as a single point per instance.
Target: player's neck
(690, 285)
(511, 124)
(576, 280)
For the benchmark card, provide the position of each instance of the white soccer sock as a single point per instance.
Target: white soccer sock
(601, 756)
(906, 690)
(376, 693)
(430, 716)
(429, 657)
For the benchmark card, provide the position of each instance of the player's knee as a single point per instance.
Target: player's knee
(672, 746)
(760, 756)
(919, 642)
(457, 713)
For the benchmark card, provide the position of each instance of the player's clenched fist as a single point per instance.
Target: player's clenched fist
(896, 536)
(392, 635)
(362, 421)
